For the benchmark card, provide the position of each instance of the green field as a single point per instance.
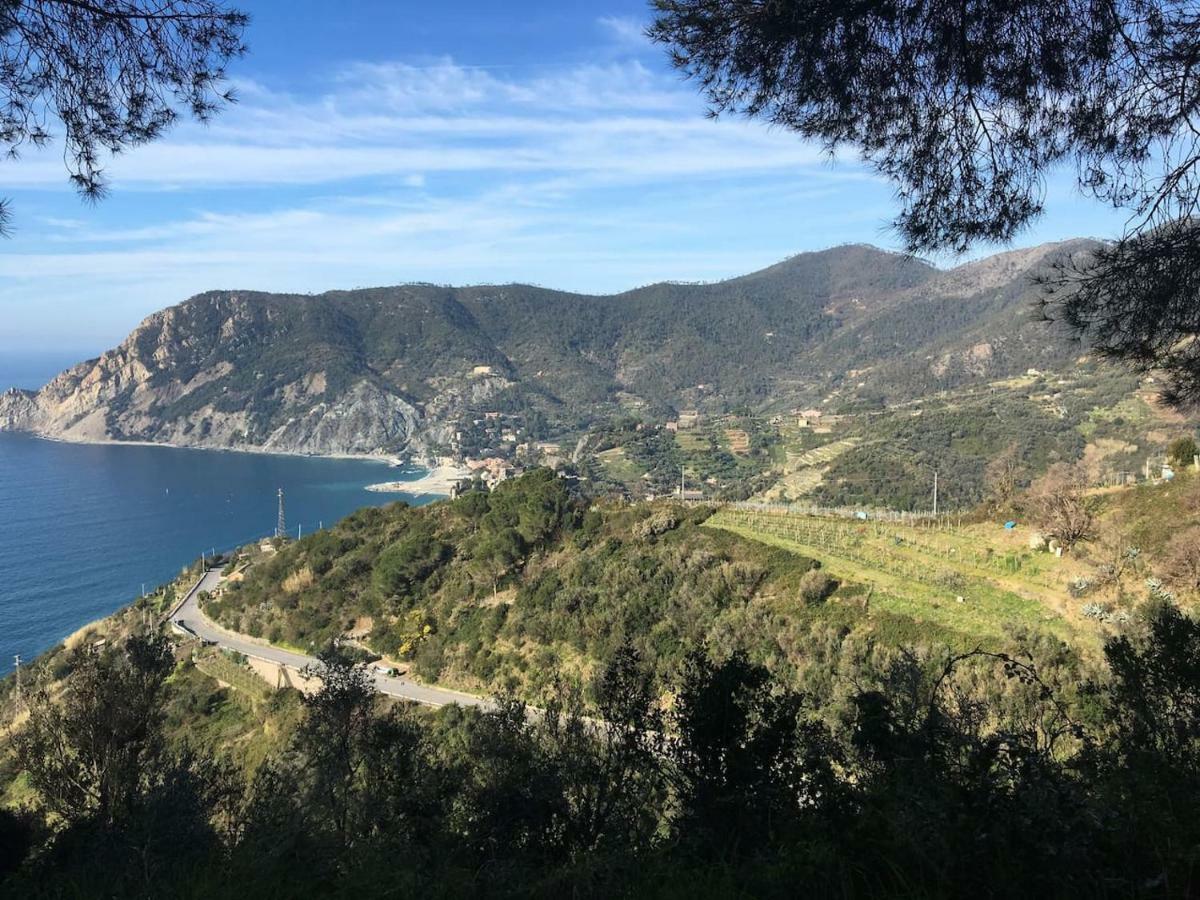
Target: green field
(922, 573)
(619, 467)
(693, 441)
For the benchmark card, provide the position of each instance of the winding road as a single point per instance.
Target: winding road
(188, 618)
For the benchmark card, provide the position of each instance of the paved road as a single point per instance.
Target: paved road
(188, 614)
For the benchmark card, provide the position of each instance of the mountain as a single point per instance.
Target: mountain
(396, 369)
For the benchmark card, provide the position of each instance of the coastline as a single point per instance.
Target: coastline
(390, 459)
(437, 481)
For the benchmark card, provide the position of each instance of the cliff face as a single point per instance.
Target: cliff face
(389, 370)
(173, 382)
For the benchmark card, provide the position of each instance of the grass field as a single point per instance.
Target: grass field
(922, 573)
(693, 441)
(618, 466)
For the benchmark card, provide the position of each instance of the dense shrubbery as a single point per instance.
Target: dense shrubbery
(894, 469)
(927, 775)
(474, 590)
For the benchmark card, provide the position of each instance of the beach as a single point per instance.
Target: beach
(438, 480)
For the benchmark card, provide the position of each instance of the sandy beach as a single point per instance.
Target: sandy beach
(436, 481)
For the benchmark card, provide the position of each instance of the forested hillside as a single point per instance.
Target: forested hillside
(680, 711)
(389, 369)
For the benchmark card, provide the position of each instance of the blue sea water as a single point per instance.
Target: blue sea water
(82, 527)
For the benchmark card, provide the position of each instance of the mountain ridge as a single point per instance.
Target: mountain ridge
(397, 369)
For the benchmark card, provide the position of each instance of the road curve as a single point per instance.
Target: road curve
(191, 620)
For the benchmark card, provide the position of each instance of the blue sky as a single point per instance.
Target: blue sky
(383, 142)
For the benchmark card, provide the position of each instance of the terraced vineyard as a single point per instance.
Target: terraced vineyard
(219, 665)
(958, 579)
(803, 471)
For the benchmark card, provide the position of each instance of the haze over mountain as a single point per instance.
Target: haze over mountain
(389, 370)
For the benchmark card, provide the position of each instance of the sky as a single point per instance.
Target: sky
(376, 143)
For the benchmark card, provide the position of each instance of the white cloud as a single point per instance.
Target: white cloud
(402, 121)
(592, 177)
(626, 30)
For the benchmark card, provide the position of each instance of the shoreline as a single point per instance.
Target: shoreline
(390, 459)
(438, 481)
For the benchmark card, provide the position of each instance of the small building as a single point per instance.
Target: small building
(483, 370)
(689, 418)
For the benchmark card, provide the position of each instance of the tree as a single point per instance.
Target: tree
(112, 73)
(1002, 477)
(334, 740)
(1181, 559)
(404, 566)
(17, 835)
(1183, 450)
(94, 754)
(611, 765)
(968, 107)
(743, 764)
(1061, 509)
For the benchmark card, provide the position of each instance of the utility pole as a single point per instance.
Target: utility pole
(17, 667)
(681, 482)
(935, 492)
(281, 523)
(299, 532)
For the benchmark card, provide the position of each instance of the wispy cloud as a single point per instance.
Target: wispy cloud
(396, 120)
(625, 30)
(594, 176)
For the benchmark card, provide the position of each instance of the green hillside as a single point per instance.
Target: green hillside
(724, 702)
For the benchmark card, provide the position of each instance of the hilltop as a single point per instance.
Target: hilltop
(403, 369)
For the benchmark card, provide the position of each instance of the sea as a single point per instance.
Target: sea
(84, 529)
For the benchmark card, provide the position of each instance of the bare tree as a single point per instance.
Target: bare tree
(112, 74)
(1002, 477)
(1060, 507)
(1180, 564)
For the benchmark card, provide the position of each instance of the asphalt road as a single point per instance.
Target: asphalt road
(197, 623)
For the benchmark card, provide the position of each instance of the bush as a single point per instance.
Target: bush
(655, 524)
(1182, 451)
(816, 586)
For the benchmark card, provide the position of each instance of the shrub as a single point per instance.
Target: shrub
(655, 524)
(816, 586)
